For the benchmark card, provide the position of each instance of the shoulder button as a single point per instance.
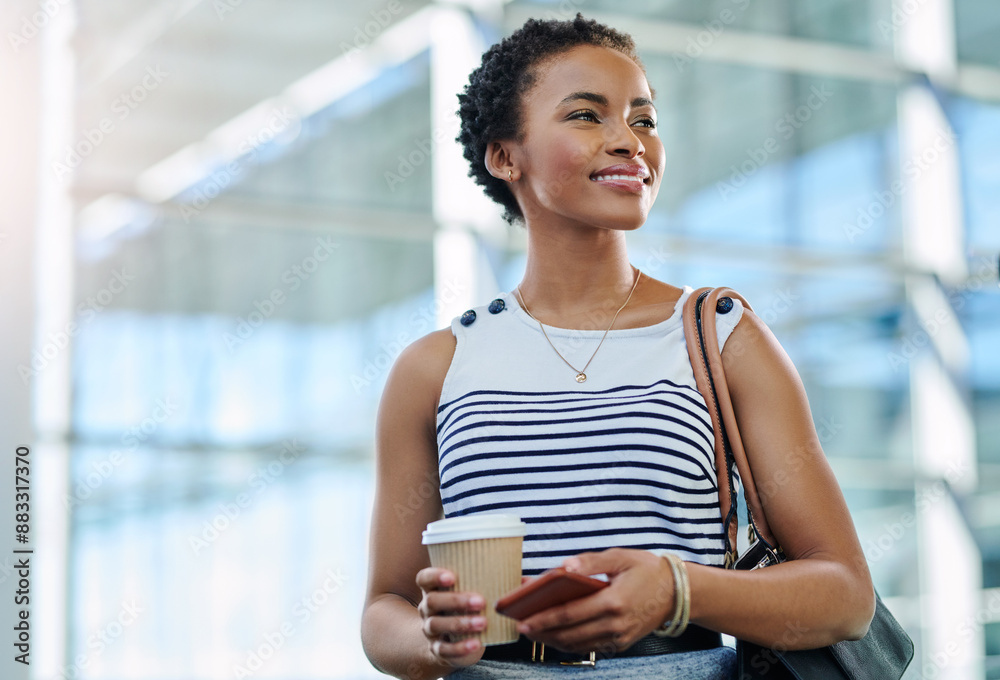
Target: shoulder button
(497, 306)
(468, 318)
(724, 305)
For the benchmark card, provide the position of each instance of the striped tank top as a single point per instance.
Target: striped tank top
(625, 459)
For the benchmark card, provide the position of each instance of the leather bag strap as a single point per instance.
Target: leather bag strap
(706, 362)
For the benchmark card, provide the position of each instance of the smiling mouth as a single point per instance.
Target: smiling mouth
(621, 178)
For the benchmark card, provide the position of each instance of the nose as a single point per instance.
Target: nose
(623, 140)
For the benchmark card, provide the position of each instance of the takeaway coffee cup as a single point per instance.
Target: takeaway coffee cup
(484, 552)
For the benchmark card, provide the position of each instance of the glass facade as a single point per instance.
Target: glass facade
(223, 404)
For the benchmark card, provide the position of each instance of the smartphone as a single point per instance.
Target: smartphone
(555, 586)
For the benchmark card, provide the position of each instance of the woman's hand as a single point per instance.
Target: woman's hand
(639, 599)
(446, 613)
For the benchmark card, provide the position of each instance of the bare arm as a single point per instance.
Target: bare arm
(824, 593)
(402, 623)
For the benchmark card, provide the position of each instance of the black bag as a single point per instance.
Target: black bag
(886, 650)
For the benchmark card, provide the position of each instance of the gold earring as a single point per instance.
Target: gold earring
(510, 175)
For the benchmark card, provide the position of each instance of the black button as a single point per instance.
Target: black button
(497, 306)
(724, 305)
(468, 318)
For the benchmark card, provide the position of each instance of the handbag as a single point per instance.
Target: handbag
(886, 650)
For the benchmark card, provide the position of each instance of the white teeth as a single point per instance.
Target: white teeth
(633, 178)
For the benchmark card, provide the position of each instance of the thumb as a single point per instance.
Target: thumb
(589, 563)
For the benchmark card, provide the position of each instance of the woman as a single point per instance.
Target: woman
(596, 438)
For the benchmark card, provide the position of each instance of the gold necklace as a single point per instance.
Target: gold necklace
(580, 375)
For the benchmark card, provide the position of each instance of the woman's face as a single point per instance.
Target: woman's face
(590, 109)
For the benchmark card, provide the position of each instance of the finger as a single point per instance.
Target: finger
(441, 601)
(435, 578)
(446, 626)
(457, 653)
(610, 561)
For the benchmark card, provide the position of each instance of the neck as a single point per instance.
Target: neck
(584, 280)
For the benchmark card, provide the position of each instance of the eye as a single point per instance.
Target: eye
(582, 115)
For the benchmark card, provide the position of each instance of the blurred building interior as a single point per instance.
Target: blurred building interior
(244, 210)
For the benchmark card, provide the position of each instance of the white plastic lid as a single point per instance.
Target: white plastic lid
(473, 527)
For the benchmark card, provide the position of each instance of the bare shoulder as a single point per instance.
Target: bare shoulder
(755, 362)
(653, 302)
(421, 367)
(656, 292)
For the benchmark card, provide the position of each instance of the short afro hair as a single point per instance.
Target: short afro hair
(490, 105)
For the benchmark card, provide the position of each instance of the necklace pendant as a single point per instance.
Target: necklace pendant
(581, 377)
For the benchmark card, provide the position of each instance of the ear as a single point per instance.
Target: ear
(499, 160)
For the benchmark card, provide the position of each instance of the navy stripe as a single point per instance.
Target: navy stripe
(610, 465)
(613, 531)
(571, 421)
(577, 395)
(542, 519)
(547, 436)
(627, 481)
(589, 449)
(624, 446)
(643, 546)
(619, 401)
(474, 509)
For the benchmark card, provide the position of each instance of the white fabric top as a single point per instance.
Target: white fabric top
(625, 459)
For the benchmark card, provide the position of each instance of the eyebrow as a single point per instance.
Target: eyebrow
(602, 100)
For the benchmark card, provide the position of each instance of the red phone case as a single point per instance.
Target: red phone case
(555, 586)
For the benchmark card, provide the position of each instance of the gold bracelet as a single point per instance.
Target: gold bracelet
(686, 612)
(672, 627)
(669, 627)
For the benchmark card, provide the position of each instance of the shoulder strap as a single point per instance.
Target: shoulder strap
(706, 362)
